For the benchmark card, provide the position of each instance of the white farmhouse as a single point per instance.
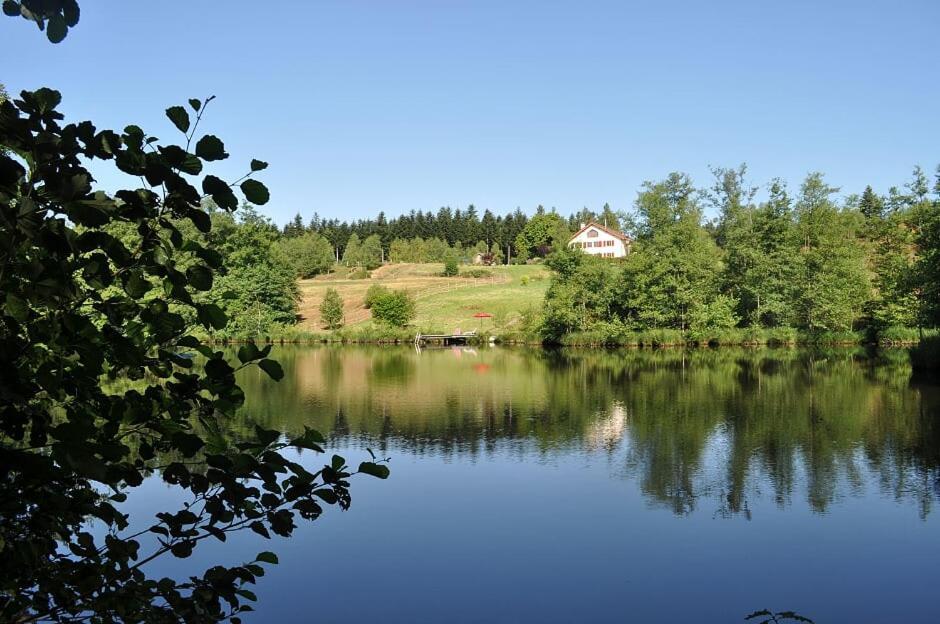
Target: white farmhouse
(598, 240)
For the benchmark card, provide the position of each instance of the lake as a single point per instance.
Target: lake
(604, 486)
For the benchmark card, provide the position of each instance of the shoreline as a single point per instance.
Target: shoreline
(397, 338)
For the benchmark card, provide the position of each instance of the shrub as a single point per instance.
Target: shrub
(360, 274)
(896, 334)
(375, 291)
(711, 318)
(476, 273)
(396, 308)
(331, 309)
(777, 336)
(450, 266)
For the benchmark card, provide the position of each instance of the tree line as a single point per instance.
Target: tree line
(421, 236)
(807, 259)
(803, 260)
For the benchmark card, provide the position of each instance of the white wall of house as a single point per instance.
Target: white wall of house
(597, 242)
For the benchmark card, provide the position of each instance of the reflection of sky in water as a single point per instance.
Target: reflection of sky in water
(605, 488)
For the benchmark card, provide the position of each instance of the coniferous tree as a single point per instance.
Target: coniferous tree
(609, 218)
(871, 205)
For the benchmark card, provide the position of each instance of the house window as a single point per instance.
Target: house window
(592, 233)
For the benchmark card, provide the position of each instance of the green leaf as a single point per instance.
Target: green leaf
(221, 192)
(267, 557)
(255, 192)
(311, 439)
(182, 549)
(136, 286)
(200, 277)
(201, 220)
(258, 165)
(46, 99)
(327, 495)
(71, 12)
(57, 28)
(217, 368)
(376, 470)
(247, 594)
(196, 104)
(259, 528)
(247, 353)
(266, 436)
(191, 165)
(210, 147)
(212, 316)
(187, 443)
(11, 8)
(179, 117)
(272, 368)
(17, 308)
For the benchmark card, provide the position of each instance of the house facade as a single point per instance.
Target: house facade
(598, 240)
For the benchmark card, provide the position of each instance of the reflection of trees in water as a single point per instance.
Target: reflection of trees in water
(724, 424)
(392, 367)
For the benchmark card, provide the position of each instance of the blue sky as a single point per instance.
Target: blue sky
(386, 105)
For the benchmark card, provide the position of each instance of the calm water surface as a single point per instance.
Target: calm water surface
(627, 486)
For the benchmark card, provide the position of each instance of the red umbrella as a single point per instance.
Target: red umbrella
(481, 316)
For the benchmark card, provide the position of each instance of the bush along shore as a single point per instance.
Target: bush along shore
(599, 338)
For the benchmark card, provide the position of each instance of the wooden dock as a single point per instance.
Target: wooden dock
(445, 339)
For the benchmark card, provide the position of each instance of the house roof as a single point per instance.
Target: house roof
(603, 228)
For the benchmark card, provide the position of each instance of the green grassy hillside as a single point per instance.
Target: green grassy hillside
(444, 303)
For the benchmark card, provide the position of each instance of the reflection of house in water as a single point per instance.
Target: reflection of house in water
(608, 429)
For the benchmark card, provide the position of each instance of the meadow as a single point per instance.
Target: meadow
(443, 303)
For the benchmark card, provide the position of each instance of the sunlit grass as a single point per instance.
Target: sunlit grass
(443, 303)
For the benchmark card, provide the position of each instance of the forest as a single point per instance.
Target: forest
(802, 261)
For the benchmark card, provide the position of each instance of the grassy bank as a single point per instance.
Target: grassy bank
(779, 336)
(375, 333)
(443, 303)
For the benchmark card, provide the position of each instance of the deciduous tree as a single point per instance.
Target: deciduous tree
(81, 309)
(331, 309)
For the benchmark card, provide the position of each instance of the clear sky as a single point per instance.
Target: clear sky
(399, 105)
